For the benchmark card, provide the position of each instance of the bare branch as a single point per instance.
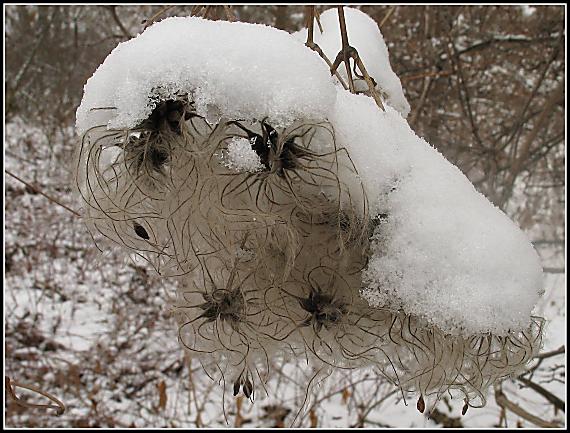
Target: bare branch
(552, 353)
(345, 49)
(39, 191)
(113, 10)
(310, 12)
(554, 270)
(348, 52)
(10, 385)
(558, 403)
(419, 106)
(432, 74)
(506, 404)
(229, 13)
(521, 157)
(390, 12)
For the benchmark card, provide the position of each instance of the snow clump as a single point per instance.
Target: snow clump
(262, 72)
(241, 157)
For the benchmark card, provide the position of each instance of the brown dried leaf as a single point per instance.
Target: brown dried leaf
(162, 398)
(421, 404)
(313, 418)
(345, 396)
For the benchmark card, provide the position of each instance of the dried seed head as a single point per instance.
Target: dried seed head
(228, 306)
(324, 310)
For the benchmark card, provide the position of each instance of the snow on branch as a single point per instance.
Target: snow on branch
(299, 217)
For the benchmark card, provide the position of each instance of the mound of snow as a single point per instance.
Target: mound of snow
(443, 252)
(240, 70)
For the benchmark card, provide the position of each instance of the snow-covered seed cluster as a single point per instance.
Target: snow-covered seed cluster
(166, 195)
(278, 230)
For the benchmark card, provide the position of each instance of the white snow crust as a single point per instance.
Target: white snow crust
(444, 252)
(241, 70)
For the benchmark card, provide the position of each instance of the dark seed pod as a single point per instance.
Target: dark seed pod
(421, 404)
(140, 231)
(247, 388)
(237, 385)
(464, 410)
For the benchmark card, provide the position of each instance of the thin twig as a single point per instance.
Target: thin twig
(318, 18)
(310, 12)
(550, 270)
(390, 12)
(39, 191)
(113, 10)
(556, 402)
(206, 11)
(431, 74)
(195, 9)
(155, 16)
(345, 48)
(310, 18)
(418, 109)
(552, 353)
(12, 89)
(369, 82)
(522, 154)
(505, 403)
(345, 54)
(10, 385)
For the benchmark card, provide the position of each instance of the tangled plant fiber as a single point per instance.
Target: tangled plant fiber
(269, 261)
